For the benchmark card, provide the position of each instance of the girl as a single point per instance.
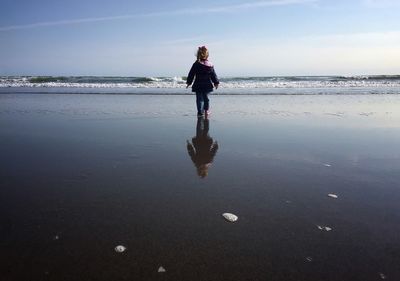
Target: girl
(205, 79)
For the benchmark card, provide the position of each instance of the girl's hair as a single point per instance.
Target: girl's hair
(202, 53)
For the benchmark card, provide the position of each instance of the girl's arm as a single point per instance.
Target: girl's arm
(214, 78)
(214, 148)
(191, 151)
(190, 77)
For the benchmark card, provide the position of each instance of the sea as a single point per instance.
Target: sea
(267, 85)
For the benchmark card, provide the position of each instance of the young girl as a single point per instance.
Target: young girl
(205, 78)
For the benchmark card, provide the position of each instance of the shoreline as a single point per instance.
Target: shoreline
(222, 90)
(375, 108)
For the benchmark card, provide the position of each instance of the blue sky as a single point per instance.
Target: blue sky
(159, 38)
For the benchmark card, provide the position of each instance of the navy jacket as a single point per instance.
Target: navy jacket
(204, 76)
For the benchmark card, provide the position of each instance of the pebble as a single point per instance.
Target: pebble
(333, 195)
(309, 259)
(161, 269)
(230, 217)
(383, 276)
(120, 249)
(327, 165)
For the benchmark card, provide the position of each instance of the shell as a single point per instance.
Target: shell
(326, 228)
(333, 195)
(230, 217)
(161, 269)
(120, 249)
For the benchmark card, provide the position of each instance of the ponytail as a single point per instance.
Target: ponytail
(202, 53)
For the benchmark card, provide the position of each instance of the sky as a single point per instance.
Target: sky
(160, 38)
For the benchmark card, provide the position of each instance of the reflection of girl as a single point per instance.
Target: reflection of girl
(203, 149)
(205, 78)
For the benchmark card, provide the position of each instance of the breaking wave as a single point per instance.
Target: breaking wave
(269, 84)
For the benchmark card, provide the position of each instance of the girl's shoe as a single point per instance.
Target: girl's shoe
(199, 114)
(208, 112)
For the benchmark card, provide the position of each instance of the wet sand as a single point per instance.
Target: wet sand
(82, 174)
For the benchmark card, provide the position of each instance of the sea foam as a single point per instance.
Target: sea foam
(378, 84)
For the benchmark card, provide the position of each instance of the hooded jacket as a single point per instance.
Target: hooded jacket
(204, 77)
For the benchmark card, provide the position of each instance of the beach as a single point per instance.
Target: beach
(313, 179)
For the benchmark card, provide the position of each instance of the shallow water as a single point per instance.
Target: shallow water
(82, 174)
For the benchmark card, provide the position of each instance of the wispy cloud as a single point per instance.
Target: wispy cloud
(64, 22)
(363, 39)
(381, 3)
(248, 5)
(192, 11)
(181, 41)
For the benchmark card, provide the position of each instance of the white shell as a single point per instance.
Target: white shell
(333, 195)
(326, 228)
(382, 276)
(230, 217)
(327, 165)
(161, 269)
(120, 249)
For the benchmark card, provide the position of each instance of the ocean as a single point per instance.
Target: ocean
(281, 85)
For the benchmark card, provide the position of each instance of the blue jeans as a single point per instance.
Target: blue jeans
(202, 101)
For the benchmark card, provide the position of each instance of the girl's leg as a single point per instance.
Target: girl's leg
(206, 101)
(199, 101)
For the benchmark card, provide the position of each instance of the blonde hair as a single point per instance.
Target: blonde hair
(202, 53)
(202, 171)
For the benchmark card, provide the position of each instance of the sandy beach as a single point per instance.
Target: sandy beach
(314, 181)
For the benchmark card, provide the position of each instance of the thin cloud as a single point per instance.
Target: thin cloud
(65, 22)
(217, 9)
(259, 4)
(183, 41)
(381, 3)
